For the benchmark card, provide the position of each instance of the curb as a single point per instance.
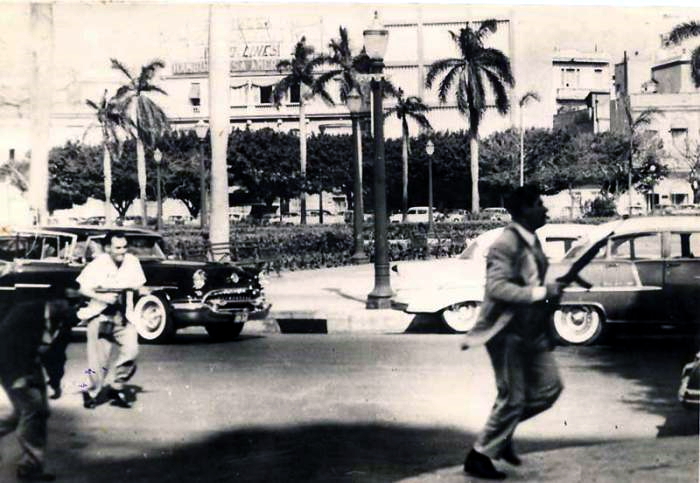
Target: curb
(331, 322)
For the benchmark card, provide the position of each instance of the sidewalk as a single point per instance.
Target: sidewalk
(327, 300)
(663, 459)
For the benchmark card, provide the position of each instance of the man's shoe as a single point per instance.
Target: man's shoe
(120, 399)
(89, 402)
(509, 456)
(480, 465)
(28, 473)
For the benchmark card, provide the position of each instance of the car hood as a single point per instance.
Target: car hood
(179, 273)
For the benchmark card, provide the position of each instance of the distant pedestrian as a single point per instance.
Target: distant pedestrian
(515, 327)
(107, 281)
(25, 333)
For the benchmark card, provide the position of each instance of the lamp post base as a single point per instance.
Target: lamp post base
(359, 258)
(378, 302)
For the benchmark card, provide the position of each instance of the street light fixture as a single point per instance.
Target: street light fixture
(375, 40)
(356, 106)
(429, 150)
(201, 129)
(158, 157)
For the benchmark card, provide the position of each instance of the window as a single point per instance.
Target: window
(295, 94)
(636, 247)
(265, 94)
(685, 245)
(679, 137)
(679, 198)
(569, 78)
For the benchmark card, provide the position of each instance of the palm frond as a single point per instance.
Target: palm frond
(92, 104)
(152, 121)
(279, 91)
(645, 118)
(447, 82)
(122, 68)
(695, 66)
(527, 97)
(283, 65)
(498, 62)
(487, 27)
(502, 102)
(437, 67)
(684, 31)
(153, 88)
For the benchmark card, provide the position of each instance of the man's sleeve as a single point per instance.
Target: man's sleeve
(86, 279)
(136, 276)
(501, 277)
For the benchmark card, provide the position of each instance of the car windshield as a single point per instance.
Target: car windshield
(144, 247)
(35, 246)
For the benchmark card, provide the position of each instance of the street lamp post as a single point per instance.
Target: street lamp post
(201, 129)
(158, 157)
(355, 105)
(375, 39)
(429, 150)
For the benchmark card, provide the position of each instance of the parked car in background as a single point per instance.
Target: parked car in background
(453, 288)
(687, 209)
(291, 218)
(415, 214)
(456, 216)
(94, 220)
(313, 218)
(496, 214)
(219, 296)
(647, 272)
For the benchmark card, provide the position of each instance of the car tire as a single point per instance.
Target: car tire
(153, 320)
(578, 324)
(224, 332)
(460, 317)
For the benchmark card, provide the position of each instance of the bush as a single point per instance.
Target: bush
(602, 207)
(316, 246)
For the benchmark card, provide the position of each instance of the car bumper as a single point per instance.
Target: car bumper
(196, 313)
(689, 391)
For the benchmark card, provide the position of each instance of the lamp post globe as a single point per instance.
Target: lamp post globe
(429, 150)
(375, 39)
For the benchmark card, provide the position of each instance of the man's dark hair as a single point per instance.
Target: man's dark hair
(107, 240)
(522, 196)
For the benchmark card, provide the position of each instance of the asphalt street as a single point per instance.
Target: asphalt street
(273, 407)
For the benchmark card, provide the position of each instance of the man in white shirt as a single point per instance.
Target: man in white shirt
(108, 281)
(514, 324)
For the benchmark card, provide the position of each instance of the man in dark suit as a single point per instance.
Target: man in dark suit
(515, 327)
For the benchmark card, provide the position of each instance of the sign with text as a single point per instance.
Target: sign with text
(251, 56)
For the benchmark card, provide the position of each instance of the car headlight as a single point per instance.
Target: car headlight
(234, 278)
(199, 279)
(263, 280)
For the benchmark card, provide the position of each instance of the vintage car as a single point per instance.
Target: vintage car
(453, 288)
(689, 390)
(644, 270)
(219, 296)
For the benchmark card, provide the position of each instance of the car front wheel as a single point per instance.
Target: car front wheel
(461, 317)
(152, 320)
(224, 332)
(578, 324)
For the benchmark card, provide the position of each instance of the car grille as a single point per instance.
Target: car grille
(229, 300)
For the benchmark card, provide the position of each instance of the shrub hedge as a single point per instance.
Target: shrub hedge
(317, 246)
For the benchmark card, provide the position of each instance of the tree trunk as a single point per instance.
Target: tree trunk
(302, 153)
(474, 165)
(41, 17)
(404, 177)
(219, 84)
(107, 172)
(141, 174)
(320, 206)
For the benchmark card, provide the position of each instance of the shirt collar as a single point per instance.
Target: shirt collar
(527, 235)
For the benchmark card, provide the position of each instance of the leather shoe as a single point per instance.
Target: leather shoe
(480, 466)
(509, 456)
(89, 402)
(28, 473)
(120, 399)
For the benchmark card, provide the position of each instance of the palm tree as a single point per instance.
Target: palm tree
(406, 108)
(149, 119)
(111, 118)
(347, 66)
(300, 72)
(644, 119)
(468, 73)
(685, 31)
(527, 97)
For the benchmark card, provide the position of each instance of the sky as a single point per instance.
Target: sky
(87, 34)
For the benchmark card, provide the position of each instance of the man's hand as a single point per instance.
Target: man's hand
(110, 298)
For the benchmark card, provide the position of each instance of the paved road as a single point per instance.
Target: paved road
(344, 408)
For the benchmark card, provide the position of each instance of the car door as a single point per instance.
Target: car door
(633, 277)
(682, 289)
